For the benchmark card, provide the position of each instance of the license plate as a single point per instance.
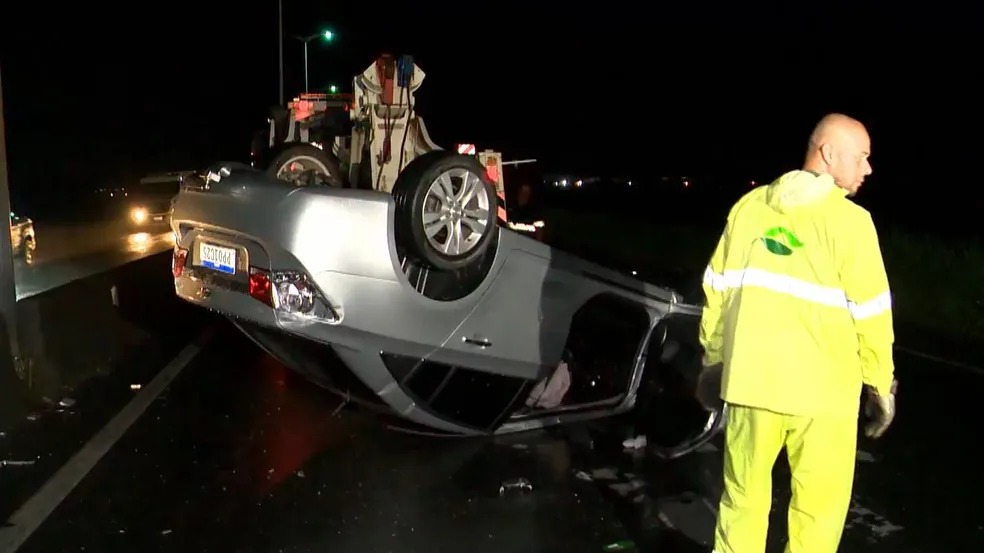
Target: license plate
(161, 218)
(217, 258)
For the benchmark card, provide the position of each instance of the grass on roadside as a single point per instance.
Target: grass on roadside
(936, 284)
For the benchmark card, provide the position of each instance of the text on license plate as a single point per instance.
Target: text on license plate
(217, 258)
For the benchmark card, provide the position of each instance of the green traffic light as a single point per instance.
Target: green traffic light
(328, 35)
(333, 89)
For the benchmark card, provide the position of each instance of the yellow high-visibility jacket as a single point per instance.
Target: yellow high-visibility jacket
(798, 306)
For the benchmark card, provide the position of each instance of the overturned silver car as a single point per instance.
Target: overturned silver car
(421, 300)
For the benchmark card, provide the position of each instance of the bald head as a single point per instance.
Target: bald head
(840, 146)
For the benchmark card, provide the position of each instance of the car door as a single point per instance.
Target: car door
(520, 324)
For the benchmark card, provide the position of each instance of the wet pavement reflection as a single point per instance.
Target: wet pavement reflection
(241, 455)
(69, 252)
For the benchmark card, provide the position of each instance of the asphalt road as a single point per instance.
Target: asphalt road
(237, 454)
(67, 252)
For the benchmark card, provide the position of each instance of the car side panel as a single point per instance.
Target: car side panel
(520, 326)
(341, 238)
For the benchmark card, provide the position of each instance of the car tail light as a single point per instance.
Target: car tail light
(294, 293)
(290, 292)
(178, 261)
(260, 287)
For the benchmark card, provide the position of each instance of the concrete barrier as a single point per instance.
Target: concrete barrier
(86, 328)
(84, 350)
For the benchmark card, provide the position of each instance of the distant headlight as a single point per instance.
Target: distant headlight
(138, 215)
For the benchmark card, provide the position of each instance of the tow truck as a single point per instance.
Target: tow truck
(382, 267)
(359, 140)
(23, 242)
(292, 147)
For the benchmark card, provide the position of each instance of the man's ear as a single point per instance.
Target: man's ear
(827, 153)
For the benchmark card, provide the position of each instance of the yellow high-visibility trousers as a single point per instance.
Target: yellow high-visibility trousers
(821, 454)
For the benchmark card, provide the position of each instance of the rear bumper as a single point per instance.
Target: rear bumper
(364, 352)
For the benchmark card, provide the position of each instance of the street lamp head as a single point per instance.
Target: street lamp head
(328, 35)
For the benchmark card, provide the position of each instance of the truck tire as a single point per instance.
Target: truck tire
(445, 210)
(314, 166)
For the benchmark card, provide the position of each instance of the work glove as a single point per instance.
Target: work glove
(880, 409)
(708, 389)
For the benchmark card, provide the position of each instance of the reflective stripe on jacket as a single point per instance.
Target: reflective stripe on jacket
(798, 306)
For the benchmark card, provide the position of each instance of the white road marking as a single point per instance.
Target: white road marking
(35, 510)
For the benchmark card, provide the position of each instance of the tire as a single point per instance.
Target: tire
(321, 167)
(417, 189)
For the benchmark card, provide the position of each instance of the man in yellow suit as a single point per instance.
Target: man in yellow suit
(798, 315)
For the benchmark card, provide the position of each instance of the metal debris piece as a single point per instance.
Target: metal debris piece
(520, 484)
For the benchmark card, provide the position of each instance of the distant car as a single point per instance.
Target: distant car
(419, 302)
(151, 199)
(150, 213)
(23, 242)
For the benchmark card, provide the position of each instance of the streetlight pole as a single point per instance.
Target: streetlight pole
(306, 89)
(327, 35)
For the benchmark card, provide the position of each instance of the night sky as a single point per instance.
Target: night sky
(102, 96)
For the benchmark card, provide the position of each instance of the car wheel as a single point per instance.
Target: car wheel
(445, 210)
(304, 164)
